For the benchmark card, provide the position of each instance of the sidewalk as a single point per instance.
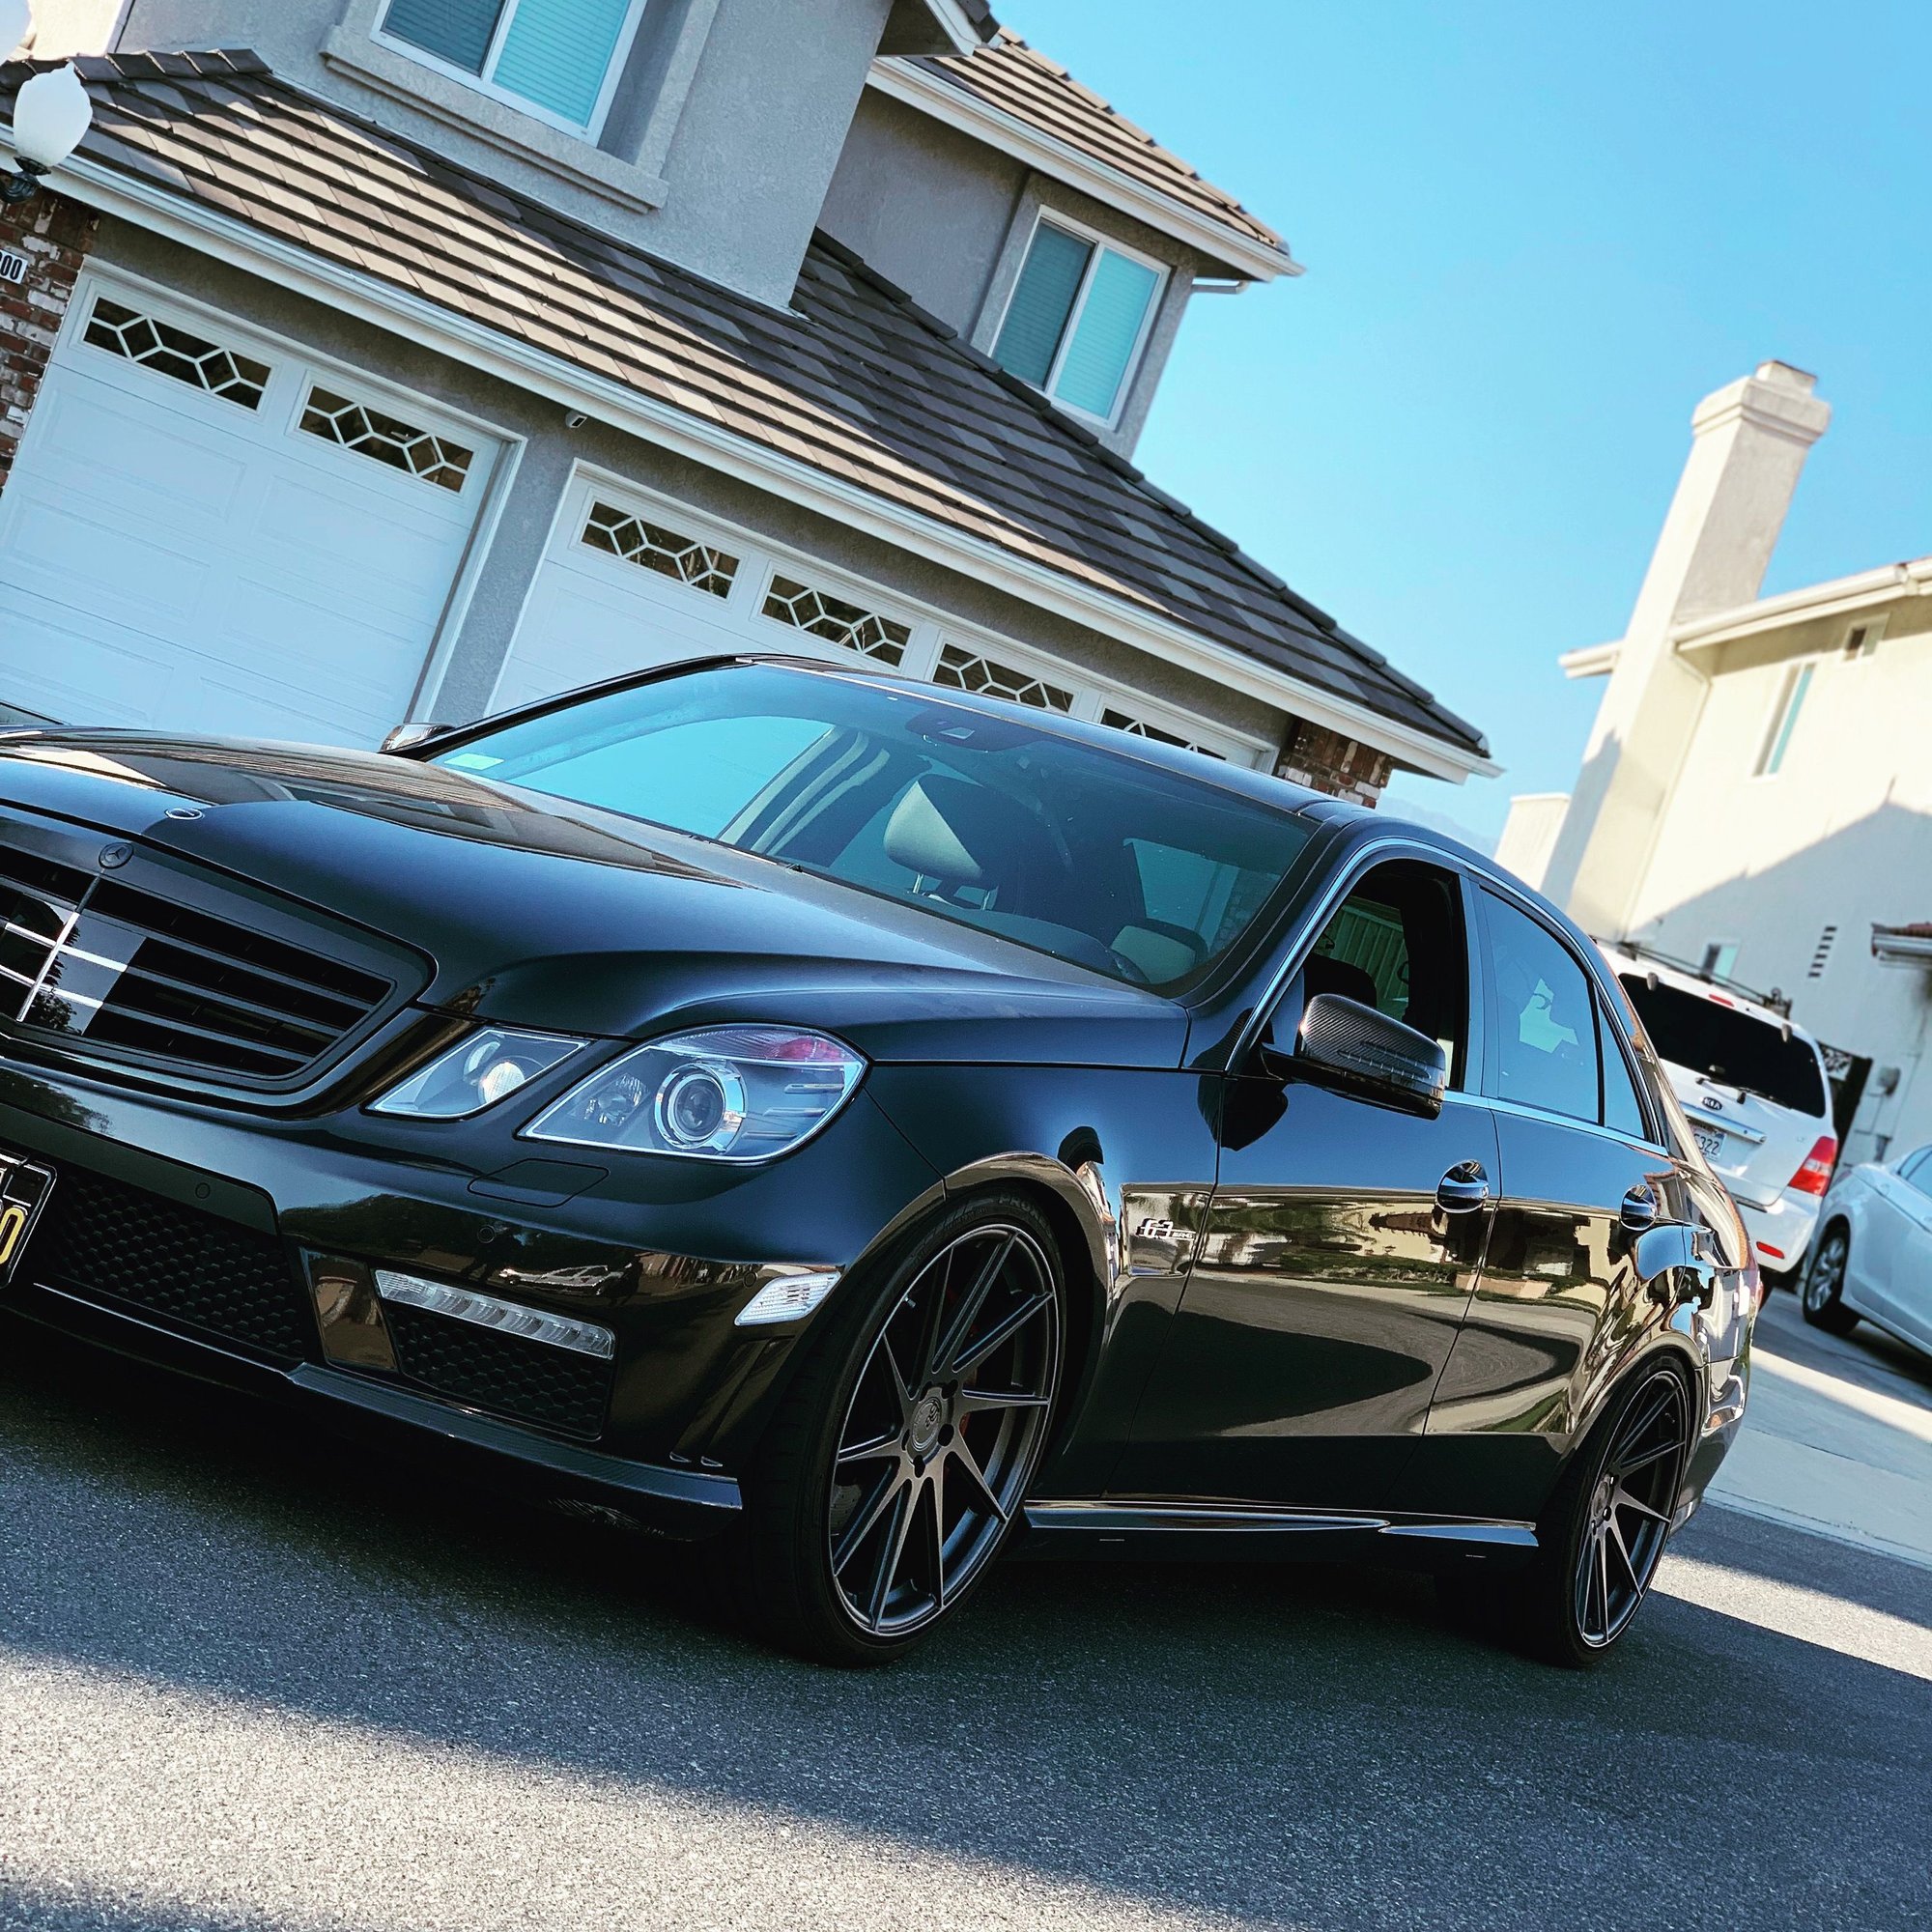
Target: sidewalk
(1827, 1453)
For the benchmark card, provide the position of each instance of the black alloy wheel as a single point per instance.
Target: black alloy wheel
(943, 1427)
(1630, 1505)
(1820, 1301)
(900, 1459)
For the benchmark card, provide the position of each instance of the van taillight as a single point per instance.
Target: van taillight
(1814, 1173)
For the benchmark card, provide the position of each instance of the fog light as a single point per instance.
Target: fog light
(507, 1318)
(789, 1298)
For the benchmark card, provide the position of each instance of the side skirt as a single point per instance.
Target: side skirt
(1233, 1532)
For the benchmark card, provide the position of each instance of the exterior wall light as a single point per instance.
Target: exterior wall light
(51, 113)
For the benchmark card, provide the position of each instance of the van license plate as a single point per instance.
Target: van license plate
(1712, 1144)
(24, 1187)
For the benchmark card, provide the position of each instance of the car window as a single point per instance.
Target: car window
(1918, 1170)
(1098, 856)
(1730, 1046)
(1622, 1110)
(1546, 1032)
(1396, 943)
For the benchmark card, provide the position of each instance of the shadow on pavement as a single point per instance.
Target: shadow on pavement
(1272, 1743)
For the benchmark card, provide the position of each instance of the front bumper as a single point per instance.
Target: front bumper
(217, 1257)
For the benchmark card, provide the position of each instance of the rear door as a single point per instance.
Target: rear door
(1342, 1243)
(1900, 1282)
(1558, 1292)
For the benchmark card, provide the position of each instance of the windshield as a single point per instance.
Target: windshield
(1736, 1049)
(1095, 857)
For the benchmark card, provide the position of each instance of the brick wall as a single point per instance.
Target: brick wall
(53, 235)
(1314, 755)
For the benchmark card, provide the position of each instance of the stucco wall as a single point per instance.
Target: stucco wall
(551, 449)
(764, 92)
(926, 206)
(1840, 836)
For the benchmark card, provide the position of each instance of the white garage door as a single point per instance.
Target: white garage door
(629, 582)
(206, 533)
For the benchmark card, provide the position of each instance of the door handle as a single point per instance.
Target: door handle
(1640, 1208)
(1463, 1188)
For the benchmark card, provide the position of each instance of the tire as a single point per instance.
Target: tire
(896, 1465)
(1602, 1535)
(1821, 1297)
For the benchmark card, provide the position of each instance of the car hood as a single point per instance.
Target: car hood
(534, 911)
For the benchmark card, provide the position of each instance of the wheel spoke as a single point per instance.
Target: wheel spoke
(968, 1464)
(1629, 1463)
(1603, 1576)
(970, 1307)
(981, 1402)
(1636, 1432)
(1623, 1499)
(935, 1489)
(866, 1519)
(880, 1449)
(905, 1504)
(1616, 1536)
(1002, 1332)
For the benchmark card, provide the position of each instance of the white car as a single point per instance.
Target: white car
(1754, 1089)
(1874, 1252)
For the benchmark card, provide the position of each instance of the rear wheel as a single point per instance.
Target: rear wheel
(1605, 1532)
(1822, 1298)
(898, 1464)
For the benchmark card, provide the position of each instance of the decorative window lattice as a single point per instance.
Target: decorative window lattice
(174, 352)
(967, 670)
(1139, 727)
(881, 638)
(652, 547)
(387, 440)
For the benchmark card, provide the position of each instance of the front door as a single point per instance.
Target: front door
(1341, 1243)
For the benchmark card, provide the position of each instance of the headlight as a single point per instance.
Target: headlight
(738, 1093)
(475, 1073)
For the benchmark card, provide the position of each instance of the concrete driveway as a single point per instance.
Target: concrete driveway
(251, 1679)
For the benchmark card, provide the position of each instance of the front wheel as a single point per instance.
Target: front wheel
(1822, 1299)
(900, 1458)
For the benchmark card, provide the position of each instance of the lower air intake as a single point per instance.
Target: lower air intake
(552, 1387)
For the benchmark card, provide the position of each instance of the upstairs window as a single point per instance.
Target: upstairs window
(1783, 720)
(556, 58)
(1077, 320)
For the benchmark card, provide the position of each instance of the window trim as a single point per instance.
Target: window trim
(481, 82)
(1353, 871)
(1081, 231)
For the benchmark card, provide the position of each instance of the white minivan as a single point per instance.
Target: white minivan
(1754, 1089)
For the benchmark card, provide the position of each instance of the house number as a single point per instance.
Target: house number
(12, 266)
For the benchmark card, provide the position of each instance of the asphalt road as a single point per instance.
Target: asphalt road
(253, 1677)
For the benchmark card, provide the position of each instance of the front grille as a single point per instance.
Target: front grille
(554, 1387)
(109, 1242)
(122, 966)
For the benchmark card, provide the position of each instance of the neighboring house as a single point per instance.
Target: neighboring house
(1756, 796)
(444, 353)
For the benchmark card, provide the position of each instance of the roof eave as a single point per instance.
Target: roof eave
(1243, 256)
(227, 238)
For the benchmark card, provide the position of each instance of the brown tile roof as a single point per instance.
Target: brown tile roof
(854, 381)
(1013, 78)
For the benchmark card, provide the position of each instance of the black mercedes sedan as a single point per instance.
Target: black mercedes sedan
(851, 1127)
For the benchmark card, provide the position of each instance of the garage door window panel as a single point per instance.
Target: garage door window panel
(655, 547)
(387, 440)
(180, 354)
(987, 677)
(820, 614)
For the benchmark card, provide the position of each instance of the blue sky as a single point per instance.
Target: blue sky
(1534, 237)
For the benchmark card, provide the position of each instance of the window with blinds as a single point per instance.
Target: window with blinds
(556, 58)
(1077, 318)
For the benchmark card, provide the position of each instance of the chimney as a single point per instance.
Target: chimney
(1747, 447)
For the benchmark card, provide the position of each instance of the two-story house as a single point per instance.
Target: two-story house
(437, 354)
(1756, 795)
